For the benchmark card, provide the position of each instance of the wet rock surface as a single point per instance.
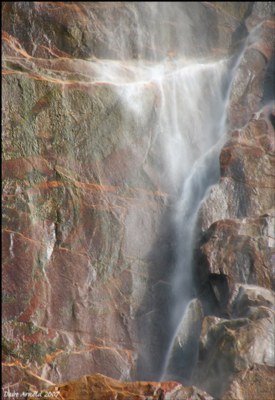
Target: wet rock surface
(82, 30)
(77, 189)
(235, 256)
(82, 209)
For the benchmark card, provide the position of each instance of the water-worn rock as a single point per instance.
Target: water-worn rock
(248, 86)
(228, 346)
(237, 218)
(246, 186)
(240, 250)
(235, 255)
(99, 387)
(256, 382)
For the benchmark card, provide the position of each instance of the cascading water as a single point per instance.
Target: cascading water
(189, 129)
(202, 171)
(192, 132)
(190, 95)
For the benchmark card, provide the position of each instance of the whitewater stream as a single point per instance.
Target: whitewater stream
(189, 128)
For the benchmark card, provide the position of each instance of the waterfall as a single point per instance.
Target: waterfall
(190, 90)
(201, 171)
(189, 130)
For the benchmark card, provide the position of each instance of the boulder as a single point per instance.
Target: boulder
(100, 387)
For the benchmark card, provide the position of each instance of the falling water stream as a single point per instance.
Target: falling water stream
(191, 94)
(161, 50)
(191, 126)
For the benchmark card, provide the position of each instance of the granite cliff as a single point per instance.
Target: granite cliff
(89, 200)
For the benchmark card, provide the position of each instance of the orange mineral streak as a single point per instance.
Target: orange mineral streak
(22, 236)
(15, 45)
(73, 252)
(101, 387)
(56, 52)
(7, 72)
(81, 185)
(269, 23)
(72, 84)
(94, 187)
(28, 373)
(14, 363)
(49, 358)
(57, 6)
(41, 244)
(93, 347)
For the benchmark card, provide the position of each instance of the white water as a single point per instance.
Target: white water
(191, 105)
(190, 97)
(188, 134)
(200, 131)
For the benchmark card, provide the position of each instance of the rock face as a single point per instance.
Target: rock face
(81, 205)
(235, 261)
(235, 255)
(257, 382)
(87, 244)
(100, 387)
